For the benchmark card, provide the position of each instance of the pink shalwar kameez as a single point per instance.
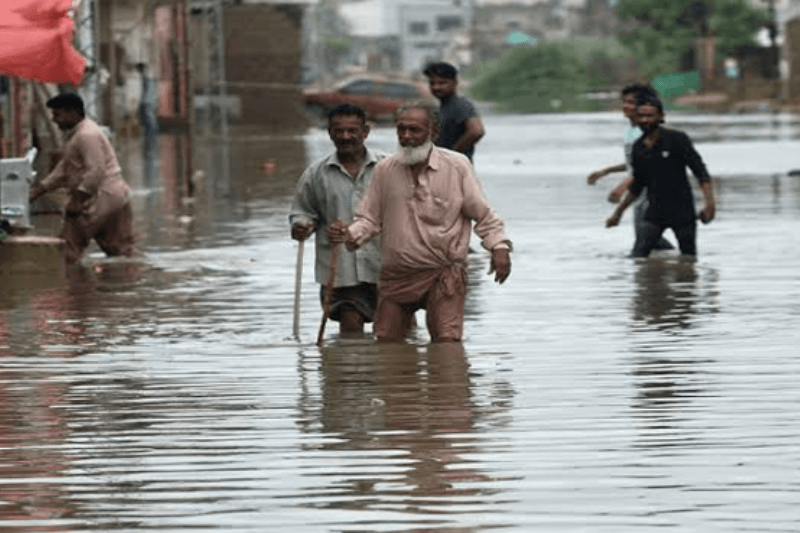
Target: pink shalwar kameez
(99, 199)
(425, 227)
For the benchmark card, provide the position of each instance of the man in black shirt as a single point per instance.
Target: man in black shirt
(460, 127)
(659, 161)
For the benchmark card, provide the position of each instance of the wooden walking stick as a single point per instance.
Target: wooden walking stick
(298, 277)
(326, 306)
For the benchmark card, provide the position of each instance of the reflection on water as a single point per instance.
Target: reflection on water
(672, 294)
(32, 476)
(592, 392)
(407, 418)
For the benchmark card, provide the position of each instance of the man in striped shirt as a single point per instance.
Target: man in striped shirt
(330, 189)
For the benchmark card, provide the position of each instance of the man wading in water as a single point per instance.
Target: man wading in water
(660, 158)
(422, 202)
(99, 205)
(630, 93)
(331, 189)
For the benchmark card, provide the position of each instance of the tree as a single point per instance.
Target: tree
(666, 31)
(332, 36)
(547, 77)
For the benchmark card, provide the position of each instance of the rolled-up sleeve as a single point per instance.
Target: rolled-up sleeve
(304, 206)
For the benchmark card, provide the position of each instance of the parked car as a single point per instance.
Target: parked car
(379, 97)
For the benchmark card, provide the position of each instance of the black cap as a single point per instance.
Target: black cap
(66, 101)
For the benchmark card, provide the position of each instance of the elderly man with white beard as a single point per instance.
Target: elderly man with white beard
(422, 202)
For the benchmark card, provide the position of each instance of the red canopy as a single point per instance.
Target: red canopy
(36, 41)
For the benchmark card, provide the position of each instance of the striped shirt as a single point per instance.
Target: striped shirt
(326, 192)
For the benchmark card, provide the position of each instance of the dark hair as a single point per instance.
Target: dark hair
(67, 101)
(650, 99)
(349, 110)
(441, 69)
(638, 89)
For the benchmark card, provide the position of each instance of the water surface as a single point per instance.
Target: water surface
(592, 393)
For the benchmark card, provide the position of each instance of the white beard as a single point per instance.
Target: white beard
(412, 155)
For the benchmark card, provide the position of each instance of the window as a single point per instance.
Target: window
(400, 90)
(359, 87)
(418, 28)
(449, 23)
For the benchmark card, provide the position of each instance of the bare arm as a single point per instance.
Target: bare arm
(618, 192)
(709, 211)
(473, 132)
(615, 217)
(597, 174)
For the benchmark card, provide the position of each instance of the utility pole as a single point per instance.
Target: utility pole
(108, 55)
(216, 92)
(185, 89)
(86, 37)
(216, 88)
(774, 71)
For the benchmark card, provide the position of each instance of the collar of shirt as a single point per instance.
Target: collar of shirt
(70, 133)
(369, 159)
(435, 159)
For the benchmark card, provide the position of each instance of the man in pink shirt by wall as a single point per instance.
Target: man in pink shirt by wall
(423, 202)
(99, 205)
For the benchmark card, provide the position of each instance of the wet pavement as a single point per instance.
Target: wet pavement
(592, 393)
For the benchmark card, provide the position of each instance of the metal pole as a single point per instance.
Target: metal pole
(222, 72)
(87, 41)
(2, 134)
(186, 91)
(16, 117)
(222, 91)
(105, 33)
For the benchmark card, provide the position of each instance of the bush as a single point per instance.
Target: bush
(551, 76)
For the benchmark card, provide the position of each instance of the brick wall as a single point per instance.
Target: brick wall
(263, 60)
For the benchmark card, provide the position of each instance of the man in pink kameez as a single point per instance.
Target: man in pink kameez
(422, 202)
(99, 205)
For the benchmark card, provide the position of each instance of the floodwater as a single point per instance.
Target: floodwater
(592, 393)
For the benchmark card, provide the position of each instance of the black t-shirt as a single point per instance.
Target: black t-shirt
(662, 170)
(454, 112)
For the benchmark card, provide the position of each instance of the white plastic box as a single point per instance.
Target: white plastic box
(16, 177)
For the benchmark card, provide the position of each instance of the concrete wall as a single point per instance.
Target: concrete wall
(263, 50)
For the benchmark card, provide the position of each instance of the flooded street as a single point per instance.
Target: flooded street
(592, 393)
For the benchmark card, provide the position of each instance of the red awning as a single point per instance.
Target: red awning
(36, 41)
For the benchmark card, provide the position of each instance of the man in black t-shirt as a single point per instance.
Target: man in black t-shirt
(659, 161)
(459, 124)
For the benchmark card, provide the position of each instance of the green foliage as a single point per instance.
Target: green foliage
(337, 45)
(550, 76)
(736, 23)
(667, 30)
